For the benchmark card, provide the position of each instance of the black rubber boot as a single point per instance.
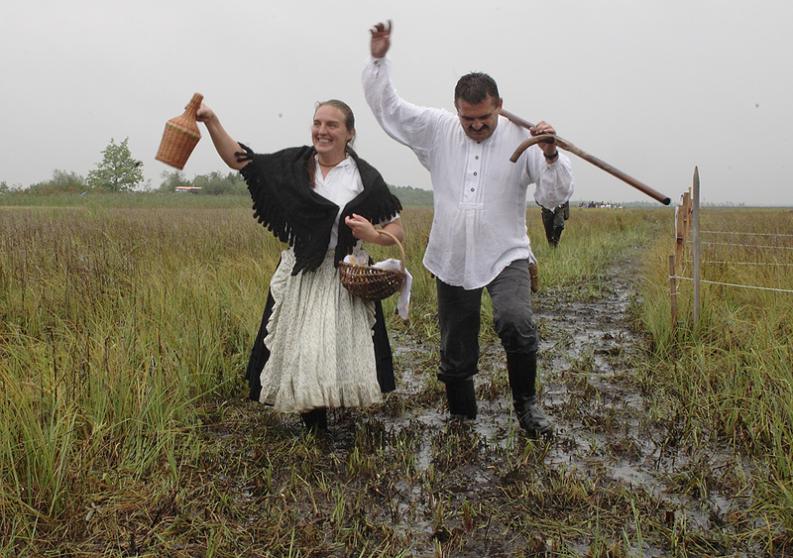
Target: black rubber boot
(316, 420)
(461, 398)
(522, 369)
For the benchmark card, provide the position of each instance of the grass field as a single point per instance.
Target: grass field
(730, 376)
(125, 325)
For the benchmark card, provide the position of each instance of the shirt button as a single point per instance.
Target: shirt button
(472, 189)
(474, 173)
(476, 157)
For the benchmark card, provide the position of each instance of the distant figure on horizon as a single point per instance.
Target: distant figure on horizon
(478, 237)
(553, 219)
(318, 345)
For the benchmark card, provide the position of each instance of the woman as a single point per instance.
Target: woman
(318, 346)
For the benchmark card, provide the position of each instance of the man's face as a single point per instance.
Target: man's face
(478, 120)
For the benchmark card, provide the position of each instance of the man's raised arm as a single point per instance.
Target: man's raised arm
(409, 124)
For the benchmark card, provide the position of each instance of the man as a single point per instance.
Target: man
(553, 219)
(478, 238)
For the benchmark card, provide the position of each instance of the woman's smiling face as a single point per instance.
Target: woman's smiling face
(329, 133)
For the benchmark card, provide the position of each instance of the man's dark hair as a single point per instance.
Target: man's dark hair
(475, 87)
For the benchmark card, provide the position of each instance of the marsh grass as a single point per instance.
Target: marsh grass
(124, 331)
(731, 374)
(115, 322)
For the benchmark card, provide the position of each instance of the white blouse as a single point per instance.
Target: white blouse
(341, 185)
(479, 221)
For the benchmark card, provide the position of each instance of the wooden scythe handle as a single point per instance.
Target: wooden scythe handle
(567, 146)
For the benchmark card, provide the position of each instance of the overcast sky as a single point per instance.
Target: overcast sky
(653, 87)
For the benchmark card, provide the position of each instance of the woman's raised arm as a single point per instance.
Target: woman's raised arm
(226, 146)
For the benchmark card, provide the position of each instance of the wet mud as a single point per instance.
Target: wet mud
(619, 478)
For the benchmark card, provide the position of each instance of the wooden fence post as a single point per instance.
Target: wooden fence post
(686, 214)
(673, 292)
(680, 237)
(695, 271)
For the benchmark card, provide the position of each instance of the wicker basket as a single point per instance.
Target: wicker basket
(371, 283)
(180, 135)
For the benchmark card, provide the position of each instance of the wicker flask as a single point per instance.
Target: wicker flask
(180, 135)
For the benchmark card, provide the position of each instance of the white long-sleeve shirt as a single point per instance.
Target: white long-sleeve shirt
(479, 220)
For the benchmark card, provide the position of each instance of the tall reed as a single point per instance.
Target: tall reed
(112, 323)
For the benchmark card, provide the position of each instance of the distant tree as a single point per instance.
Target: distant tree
(172, 179)
(4, 187)
(215, 183)
(118, 171)
(61, 181)
(410, 196)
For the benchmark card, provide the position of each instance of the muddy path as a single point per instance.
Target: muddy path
(618, 480)
(618, 464)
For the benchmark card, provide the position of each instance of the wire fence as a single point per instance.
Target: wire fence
(738, 285)
(760, 264)
(748, 233)
(687, 217)
(776, 247)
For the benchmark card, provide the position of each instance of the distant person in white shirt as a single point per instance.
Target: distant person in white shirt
(478, 238)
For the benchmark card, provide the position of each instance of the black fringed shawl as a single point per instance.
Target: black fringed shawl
(285, 202)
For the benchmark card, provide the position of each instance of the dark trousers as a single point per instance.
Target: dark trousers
(553, 221)
(458, 318)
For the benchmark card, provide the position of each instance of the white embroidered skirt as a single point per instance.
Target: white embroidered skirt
(320, 342)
